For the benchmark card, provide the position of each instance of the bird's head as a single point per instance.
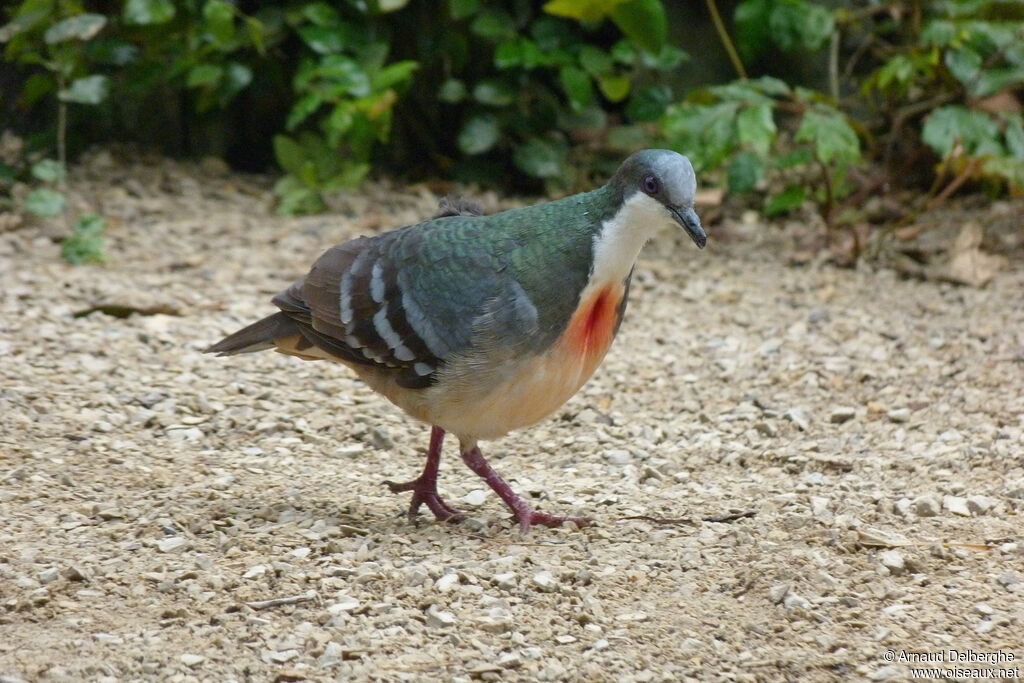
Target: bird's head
(661, 184)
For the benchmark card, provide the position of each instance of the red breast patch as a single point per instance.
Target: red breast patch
(593, 324)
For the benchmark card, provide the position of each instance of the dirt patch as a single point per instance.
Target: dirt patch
(153, 499)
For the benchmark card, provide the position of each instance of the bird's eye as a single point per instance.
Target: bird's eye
(650, 185)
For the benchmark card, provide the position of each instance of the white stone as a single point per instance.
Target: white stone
(506, 580)
(544, 581)
(842, 414)
(255, 571)
(438, 618)
(925, 506)
(979, 505)
(475, 497)
(892, 561)
(189, 659)
(343, 603)
(447, 582)
(171, 544)
(617, 456)
(956, 505)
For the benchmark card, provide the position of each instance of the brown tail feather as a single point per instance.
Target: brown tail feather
(259, 336)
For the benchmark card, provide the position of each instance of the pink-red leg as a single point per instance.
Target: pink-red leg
(522, 511)
(424, 487)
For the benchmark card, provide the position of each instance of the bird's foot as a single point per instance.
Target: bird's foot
(530, 517)
(424, 492)
(521, 510)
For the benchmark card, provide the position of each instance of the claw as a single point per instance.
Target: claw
(424, 487)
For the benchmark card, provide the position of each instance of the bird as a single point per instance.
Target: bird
(479, 325)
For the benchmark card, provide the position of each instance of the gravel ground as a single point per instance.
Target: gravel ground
(153, 499)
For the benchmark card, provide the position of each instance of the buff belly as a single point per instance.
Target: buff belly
(527, 390)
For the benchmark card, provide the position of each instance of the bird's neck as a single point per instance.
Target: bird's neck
(621, 237)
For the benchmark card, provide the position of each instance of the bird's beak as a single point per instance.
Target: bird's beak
(688, 219)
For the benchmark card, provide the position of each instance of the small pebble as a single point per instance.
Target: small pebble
(956, 505)
(794, 601)
(899, 415)
(439, 618)
(506, 580)
(979, 505)
(926, 506)
(778, 592)
(447, 582)
(892, 561)
(343, 603)
(544, 581)
(842, 414)
(190, 660)
(798, 416)
(48, 575)
(171, 544)
(475, 497)
(617, 456)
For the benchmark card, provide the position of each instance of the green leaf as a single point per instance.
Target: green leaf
(44, 202)
(48, 171)
(237, 77)
(386, 6)
(831, 135)
(540, 158)
(339, 122)
(86, 90)
(302, 110)
(643, 22)
(295, 197)
(1015, 135)
(452, 90)
(479, 134)
(494, 25)
(493, 92)
(627, 139)
(219, 19)
(938, 32)
(756, 127)
(750, 20)
(789, 199)
(624, 52)
(85, 243)
(204, 75)
(577, 86)
(460, 9)
(614, 87)
(582, 10)
(114, 52)
(797, 157)
(78, 27)
(991, 81)
(320, 14)
(670, 57)
(35, 87)
(595, 60)
(508, 54)
(649, 103)
(964, 64)
(148, 12)
(290, 155)
(745, 170)
(800, 25)
(322, 39)
(976, 131)
(394, 74)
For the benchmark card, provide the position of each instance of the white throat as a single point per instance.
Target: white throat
(623, 235)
